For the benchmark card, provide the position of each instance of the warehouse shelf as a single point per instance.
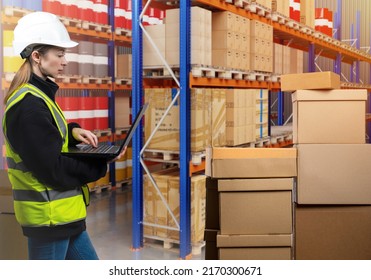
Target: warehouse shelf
(218, 82)
(297, 34)
(11, 21)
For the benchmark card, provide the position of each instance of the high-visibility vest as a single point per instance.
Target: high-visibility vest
(35, 203)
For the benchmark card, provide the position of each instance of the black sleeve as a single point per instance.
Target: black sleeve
(35, 137)
(72, 141)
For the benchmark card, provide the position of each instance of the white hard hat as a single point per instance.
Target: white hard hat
(40, 28)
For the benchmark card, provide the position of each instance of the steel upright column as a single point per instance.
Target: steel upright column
(111, 93)
(311, 58)
(280, 109)
(185, 180)
(358, 43)
(137, 93)
(337, 63)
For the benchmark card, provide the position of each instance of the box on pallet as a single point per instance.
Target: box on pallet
(123, 66)
(200, 33)
(156, 211)
(207, 119)
(150, 56)
(329, 116)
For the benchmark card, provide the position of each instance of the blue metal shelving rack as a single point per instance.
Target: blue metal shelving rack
(137, 97)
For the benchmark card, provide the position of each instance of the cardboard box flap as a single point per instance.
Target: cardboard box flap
(255, 184)
(250, 153)
(330, 95)
(273, 240)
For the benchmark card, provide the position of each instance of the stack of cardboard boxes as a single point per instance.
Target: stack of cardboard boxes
(200, 36)
(333, 187)
(249, 204)
(219, 117)
(162, 206)
(230, 40)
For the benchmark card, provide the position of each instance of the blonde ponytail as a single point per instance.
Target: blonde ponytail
(21, 77)
(25, 71)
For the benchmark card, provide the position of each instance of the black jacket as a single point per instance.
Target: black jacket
(34, 135)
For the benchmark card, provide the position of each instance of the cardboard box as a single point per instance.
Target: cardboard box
(316, 80)
(4, 179)
(333, 233)
(334, 174)
(123, 66)
(250, 162)
(223, 40)
(254, 247)
(156, 211)
(333, 116)
(246, 209)
(13, 245)
(223, 21)
(237, 240)
(198, 206)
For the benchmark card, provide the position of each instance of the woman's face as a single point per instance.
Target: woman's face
(49, 64)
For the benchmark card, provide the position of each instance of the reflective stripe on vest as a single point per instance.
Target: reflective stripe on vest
(57, 113)
(35, 203)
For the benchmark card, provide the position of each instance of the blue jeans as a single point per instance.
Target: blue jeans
(78, 247)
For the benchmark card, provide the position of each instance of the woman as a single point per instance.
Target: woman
(48, 187)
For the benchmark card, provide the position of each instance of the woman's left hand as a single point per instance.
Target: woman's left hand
(85, 136)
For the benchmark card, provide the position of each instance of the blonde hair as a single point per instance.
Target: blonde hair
(24, 73)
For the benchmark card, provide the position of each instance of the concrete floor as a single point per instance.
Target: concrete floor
(109, 226)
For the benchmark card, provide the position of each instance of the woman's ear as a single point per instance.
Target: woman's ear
(35, 55)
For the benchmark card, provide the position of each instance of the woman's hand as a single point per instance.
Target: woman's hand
(85, 136)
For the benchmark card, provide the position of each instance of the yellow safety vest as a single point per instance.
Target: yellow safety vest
(35, 203)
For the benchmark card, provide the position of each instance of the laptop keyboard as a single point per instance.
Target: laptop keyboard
(99, 149)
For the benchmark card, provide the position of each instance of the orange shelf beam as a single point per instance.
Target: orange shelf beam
(217, 82)
(196, 168)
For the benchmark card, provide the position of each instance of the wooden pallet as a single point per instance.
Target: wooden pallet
(239, 3)
(280, 18)
(66, 79)
(100, 189)
(88, 25)
(306, 29)
(123, 31)
(160, 71)
(168, 243)
(274, 78)
(293, 24)
(259, 9)
(15, 11)
(258, 76)
(96, 80)
(123, 81)
(172, 156)
(71, 22)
